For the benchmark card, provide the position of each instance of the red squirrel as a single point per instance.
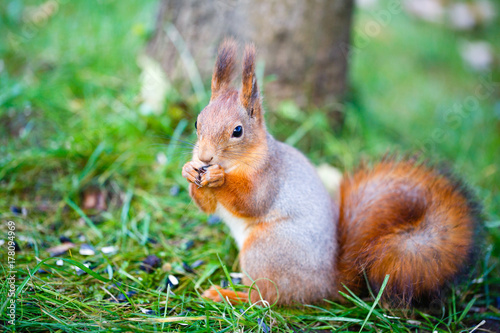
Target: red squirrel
(400, 218)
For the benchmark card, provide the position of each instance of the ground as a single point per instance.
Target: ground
(82, 157)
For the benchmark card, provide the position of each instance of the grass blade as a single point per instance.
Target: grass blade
(384, 284)
(84, 217)
(91, 161)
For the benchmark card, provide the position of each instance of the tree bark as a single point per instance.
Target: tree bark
(303, 44)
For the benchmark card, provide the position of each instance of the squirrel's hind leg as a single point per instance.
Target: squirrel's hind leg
(217, 294)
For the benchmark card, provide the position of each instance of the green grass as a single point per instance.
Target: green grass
(70, 121)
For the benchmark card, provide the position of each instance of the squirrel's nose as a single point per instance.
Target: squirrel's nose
(205, 158)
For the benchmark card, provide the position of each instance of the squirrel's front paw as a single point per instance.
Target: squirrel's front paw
(213, 176)
(191, 171)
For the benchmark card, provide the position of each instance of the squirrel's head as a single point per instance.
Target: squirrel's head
(231, 129)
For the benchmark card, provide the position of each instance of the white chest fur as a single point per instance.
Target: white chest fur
(237, 225)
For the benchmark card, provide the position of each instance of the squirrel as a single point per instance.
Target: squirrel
(297, 245)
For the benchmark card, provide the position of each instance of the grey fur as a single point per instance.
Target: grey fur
(302, 241)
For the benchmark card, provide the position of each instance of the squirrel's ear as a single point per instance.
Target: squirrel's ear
(224, 67)
(249, 95)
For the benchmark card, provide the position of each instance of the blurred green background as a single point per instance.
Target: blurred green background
(72, 132)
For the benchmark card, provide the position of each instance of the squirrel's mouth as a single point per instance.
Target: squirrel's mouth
(203, 169)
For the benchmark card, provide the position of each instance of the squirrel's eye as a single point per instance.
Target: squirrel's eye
(237, 132)
(196, 124)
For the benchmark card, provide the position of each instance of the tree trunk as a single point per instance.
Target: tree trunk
(303, 45)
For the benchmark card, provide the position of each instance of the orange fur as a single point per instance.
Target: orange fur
(233, 297)
(406, 220)
(233, 194)
(249, 90)
(204, 198)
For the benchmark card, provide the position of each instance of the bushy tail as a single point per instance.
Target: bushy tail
(407, 220)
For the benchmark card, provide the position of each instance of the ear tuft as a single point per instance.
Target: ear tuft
(224, 67)
(249, 91)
